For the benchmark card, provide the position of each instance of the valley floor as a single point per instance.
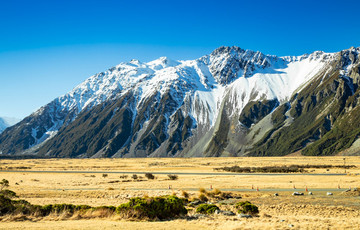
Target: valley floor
(99, 182)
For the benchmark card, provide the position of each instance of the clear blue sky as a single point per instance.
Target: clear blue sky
(49, 47)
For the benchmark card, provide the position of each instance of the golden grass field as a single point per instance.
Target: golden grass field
(88, 186)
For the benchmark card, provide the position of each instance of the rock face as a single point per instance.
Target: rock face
(233, 102)
(323, 116)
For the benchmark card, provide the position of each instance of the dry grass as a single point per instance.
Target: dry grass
(340, 211)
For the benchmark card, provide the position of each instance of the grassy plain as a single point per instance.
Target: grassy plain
(82, 181)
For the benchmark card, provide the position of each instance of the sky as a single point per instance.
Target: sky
(49, 47)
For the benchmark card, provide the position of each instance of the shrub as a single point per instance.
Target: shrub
(154, 207)
(207, 208)
(104, 175)
(6, 205)
(246, 207)
(172, 177)
(59, 208)
(134, 176)
(82, 207)
(150, 176)
(8, 193)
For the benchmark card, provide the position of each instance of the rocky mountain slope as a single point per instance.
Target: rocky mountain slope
(232, 102)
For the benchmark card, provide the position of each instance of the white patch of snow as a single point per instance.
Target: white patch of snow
(193, 81)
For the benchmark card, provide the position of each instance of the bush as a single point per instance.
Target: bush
(246, 207)
(6, 205)
(150, 176)
(8, 193)
(172, 177)
(153, 207)
(59, 208)
(83, 207)
(134, 176)
(207, 208)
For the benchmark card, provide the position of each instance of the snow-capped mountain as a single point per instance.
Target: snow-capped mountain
(6, 122)
(218, 105)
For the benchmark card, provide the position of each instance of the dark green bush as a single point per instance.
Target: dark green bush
(150, 176)
(6, 205)
(207, 208)
(153, 207)
(82, 207)
(8, 193)
(246, 207)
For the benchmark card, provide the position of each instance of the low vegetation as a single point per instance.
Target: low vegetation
(214, 195)
(164, 207)
(11, 206)
(150, 176)
(279, 169)
(173, 177)
(246, 207)
(134, 177)
(207, 208)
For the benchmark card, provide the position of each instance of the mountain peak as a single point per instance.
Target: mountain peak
(135, 62)
(227, 50)
(229, 63)
(162, 62)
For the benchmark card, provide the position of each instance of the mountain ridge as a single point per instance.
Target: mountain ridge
(171, 108)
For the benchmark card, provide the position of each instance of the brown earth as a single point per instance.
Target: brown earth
(317, 211)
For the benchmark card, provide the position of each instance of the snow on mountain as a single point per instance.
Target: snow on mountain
(202, 79)
(200, 87)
